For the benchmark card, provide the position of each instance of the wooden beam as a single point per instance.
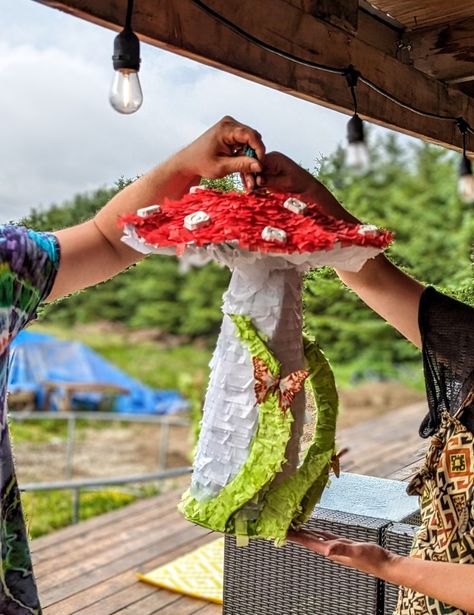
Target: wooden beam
(180, 26)
(379, 34)
(340, 13)
(467, 88)
(445, 52)
(367, 24)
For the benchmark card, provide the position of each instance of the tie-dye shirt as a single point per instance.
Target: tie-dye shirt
(28, 266)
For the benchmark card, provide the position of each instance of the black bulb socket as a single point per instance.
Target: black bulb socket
(126, 51)
(355, 130)
(465, 167)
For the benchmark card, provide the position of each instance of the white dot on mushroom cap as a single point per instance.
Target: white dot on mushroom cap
(196, 220)
(270, 233)
(368, 229)
(295, 205)
(195, 189)
(148, 211)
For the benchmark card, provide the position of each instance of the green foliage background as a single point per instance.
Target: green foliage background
(412, 192)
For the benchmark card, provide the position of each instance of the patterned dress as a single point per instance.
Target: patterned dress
(445, 484)
(28, 265)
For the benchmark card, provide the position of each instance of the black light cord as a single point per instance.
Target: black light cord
(463, 129)
(128, 20)
(253, 39)
(400, 103)
(352, 77)
(325, 68)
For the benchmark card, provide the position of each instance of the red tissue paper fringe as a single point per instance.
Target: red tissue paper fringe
(242, 217)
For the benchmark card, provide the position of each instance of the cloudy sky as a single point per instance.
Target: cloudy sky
(60, 136)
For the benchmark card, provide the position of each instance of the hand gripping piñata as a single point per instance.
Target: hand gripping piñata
(248, 479)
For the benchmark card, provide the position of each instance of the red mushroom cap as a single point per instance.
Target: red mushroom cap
(241, 218)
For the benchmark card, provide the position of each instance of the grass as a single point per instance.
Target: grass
(48, 511)
(38, 431)
(411, 377)
(183, 368)
(50, 430)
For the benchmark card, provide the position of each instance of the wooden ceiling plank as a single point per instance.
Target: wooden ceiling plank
(179, 26)
(422, 13)
(467, 88)
(445, 52)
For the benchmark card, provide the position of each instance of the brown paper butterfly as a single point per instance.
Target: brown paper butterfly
(266, 383)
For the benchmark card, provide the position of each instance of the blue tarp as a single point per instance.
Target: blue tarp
(37, 357)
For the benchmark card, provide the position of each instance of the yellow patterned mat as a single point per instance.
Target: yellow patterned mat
(199, 574)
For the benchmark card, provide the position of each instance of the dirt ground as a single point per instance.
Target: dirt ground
(115, 450)
(132, 449)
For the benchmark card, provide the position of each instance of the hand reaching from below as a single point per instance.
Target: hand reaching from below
(364, 556)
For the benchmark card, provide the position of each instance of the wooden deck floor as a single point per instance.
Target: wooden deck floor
(90, 568)
(387, 446)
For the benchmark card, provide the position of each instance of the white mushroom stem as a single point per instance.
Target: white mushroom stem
(269, 292)
(266, 288)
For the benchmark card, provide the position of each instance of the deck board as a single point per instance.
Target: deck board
(122, 581)
(117, 541)
(382, 445)
(90, 574)
(90, 568)
(82, 528)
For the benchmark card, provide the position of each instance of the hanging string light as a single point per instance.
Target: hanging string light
(357, 155)
(126, 93)
(355, 126)
(466, 180)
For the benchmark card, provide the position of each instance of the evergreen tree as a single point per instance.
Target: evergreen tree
(410, 192)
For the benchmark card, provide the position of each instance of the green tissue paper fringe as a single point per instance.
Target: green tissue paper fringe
(290, 503)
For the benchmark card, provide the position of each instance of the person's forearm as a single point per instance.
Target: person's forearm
(93, 252)
(452, 584)
(391, 293)
(100, 237)
(169, 179)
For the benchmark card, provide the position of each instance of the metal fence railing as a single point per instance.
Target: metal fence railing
(76, 485)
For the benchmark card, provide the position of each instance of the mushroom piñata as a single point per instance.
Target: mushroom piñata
(248, 478)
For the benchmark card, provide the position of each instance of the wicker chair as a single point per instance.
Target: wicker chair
(263, 580)
(398, 538)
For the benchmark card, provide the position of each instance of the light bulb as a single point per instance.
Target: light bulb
(357, 154)
(466, 188)
(126, 93)
(357, 158)
(466, 180)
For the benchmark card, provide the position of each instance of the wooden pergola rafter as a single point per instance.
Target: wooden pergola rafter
(421, 52)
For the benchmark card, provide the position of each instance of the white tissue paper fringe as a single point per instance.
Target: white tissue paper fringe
(272, 299)
(350, 258)
(267, 287)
